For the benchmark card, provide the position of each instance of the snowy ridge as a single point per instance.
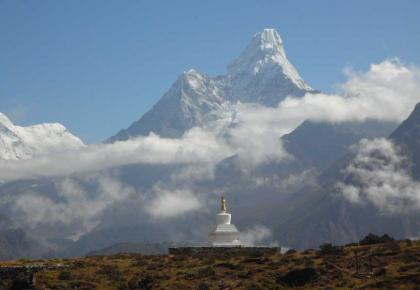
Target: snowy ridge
(4, 121)
(18, 142)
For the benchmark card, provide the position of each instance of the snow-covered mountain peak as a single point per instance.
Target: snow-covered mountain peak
(17, 142)
(269, 40)
(193, 78)
(261, 74)
(191, 71)
(266, 54)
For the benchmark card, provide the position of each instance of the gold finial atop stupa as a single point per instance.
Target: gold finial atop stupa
(223, 204)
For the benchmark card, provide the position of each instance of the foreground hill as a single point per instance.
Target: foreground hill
(390, 265)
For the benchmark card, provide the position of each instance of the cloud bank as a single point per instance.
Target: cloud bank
(170, 203)
(76, 209)
(257, 236)
(196, 146)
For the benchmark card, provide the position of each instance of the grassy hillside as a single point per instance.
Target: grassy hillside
(391, 265)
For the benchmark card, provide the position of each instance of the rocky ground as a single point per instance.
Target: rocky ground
(387, 265)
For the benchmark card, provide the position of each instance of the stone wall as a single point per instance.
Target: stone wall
(23, 277)
(235, 251)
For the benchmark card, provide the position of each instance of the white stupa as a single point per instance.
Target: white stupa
(225, 234)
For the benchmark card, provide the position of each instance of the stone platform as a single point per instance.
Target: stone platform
(234, 251)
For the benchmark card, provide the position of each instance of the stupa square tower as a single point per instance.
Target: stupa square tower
(225, 234)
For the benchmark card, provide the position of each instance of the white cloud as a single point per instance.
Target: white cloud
(379, 175)
(292, 182)
(196, 146)
(388, 91)
(257, 236)
(256, 134)
(75, 207)
(193, 173)
(170, 203)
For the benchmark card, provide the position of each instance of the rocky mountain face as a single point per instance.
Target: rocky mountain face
(408, 136)
(18, 142)
(320, 144)
(323, 216)
(16, 243)
(184, 106)
(261, 74)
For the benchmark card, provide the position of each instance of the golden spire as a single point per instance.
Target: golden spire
(223, 204)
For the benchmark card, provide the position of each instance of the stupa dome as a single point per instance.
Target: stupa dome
(225, 234)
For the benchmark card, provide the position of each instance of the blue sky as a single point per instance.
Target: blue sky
(97, 66)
